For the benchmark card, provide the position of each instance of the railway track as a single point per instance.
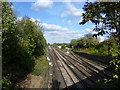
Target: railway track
(94, 67)
(108, 67)
(56, 69)
(68, 76)
(78, 72)
(103, 69)
(72, 74)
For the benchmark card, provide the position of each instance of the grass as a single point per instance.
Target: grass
(13, 75)
(93, 54)
(90, 51)
(41, 66)
(36, 78)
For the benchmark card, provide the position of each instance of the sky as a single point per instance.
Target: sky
(60, 20)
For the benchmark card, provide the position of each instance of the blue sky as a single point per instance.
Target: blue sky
(60, 20)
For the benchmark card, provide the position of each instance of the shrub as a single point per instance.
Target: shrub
(6, 83)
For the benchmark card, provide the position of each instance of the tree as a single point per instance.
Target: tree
(90, 40)
(73, 43)
(32, 35)
(87, 41)
(21, 42)
(105, 16)
(9, 38)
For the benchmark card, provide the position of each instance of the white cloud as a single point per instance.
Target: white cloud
(78, 35)
(52, 27)
(40, 4)
(33, 19)
(38, 20)
(44, 35)
(62, 36)
(71, 10)
(101, 39)
(56, 33)
(94, 32)
(80, 20)
(90, 29)
(19, 18)
(12, 7)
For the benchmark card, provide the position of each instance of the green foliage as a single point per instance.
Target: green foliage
(73, 42)
(116, 63)
(106, 13)
(87, 41)
(22, 42)
(114, 82)
(41, 66)
(9, 38)
(107, 48)
(31, 37)
(6, 83)
(91, 51)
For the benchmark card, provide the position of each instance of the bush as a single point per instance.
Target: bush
(41, 66)
(21, 42)
(6, 83)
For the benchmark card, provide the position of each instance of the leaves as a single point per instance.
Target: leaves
(87, 41)
(6, 83)
(21, 42)
(21, 39)
(106, 13)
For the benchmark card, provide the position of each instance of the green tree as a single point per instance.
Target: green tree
(12, 51)
(73, 43)
(21, 42)
(106, 17)
(9, 38)
(87, 41)
(31, 34)
(105, 13)
(90, 40)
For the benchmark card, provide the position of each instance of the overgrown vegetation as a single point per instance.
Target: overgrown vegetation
(107, 48)
(106, 17)
(41, 67)
(87, 41)
(91, 46)
(22, 43)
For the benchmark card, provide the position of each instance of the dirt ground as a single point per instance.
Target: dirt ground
(32, 81)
